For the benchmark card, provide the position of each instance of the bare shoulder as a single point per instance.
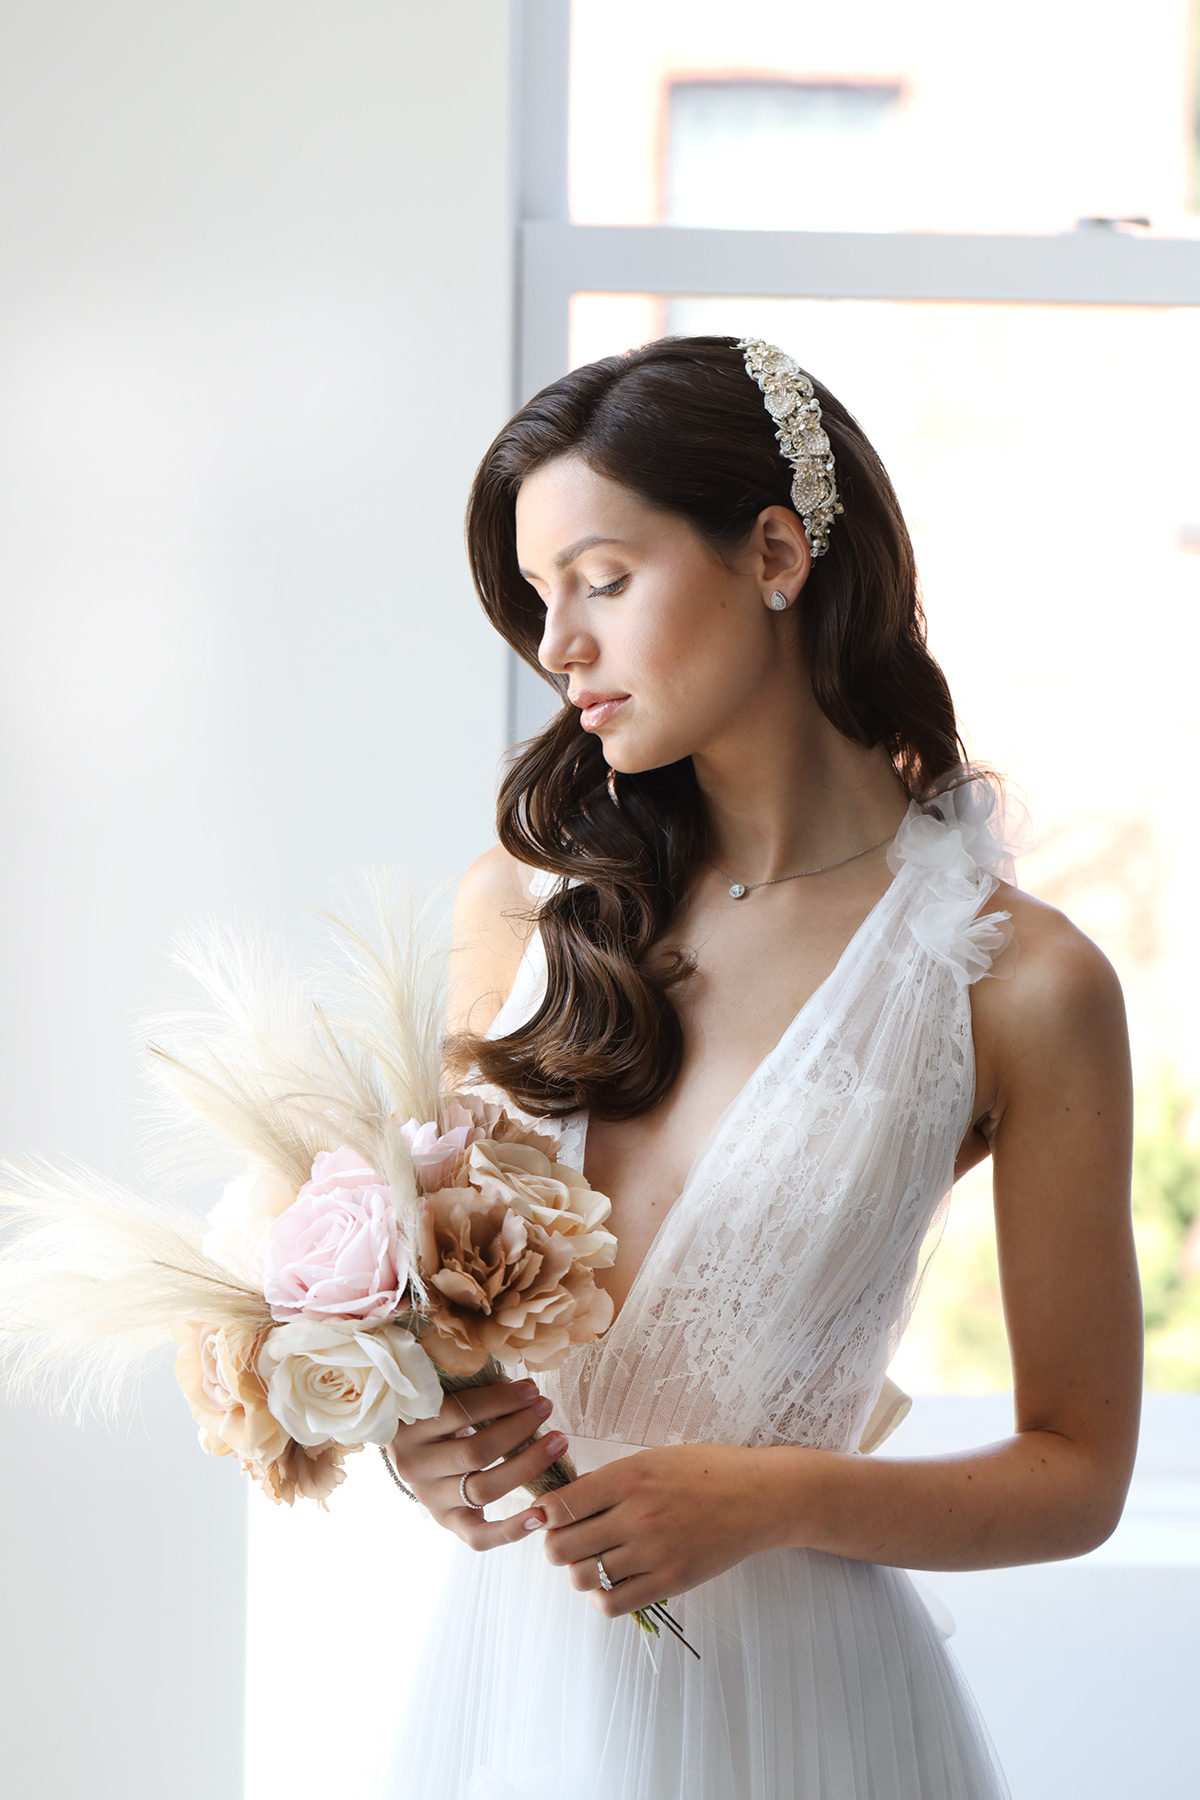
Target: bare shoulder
(1056, 1001)
(492, 924)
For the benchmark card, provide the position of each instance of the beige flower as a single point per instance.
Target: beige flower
(216, 1368)
(550, 1194)
(490, 1120)
(499, 1284)
(302, 1472)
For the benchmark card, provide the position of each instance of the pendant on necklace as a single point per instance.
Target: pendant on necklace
(737, 890)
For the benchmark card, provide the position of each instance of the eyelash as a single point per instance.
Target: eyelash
(612, 587)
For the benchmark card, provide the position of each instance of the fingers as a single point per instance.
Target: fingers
(477, 1405)
(567, 1544)
(460, 1411)
(492, 1484)
(434, 1455)
(467, 1451)
(498, 1439)
(629, 1596)
(621, 1563)
(587, 1495)
(489, 1534)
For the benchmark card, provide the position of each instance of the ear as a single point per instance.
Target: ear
(782, 551)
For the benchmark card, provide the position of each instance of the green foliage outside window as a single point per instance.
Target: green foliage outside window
(1166, 1219)
(1196, 106)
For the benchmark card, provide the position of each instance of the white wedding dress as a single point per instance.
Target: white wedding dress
(766, 1312)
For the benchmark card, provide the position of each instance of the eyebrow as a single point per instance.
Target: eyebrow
(573, 550)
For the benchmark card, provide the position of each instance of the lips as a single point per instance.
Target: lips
(597, 709)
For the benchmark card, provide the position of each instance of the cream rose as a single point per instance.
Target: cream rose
(240, 1223)
(336, 1380)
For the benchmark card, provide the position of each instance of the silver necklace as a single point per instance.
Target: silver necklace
(739, 889)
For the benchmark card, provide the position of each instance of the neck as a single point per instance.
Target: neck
(784, 791)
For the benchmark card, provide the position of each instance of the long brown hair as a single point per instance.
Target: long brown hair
(683, 426)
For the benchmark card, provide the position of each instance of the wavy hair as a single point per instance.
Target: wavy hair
(683, 426)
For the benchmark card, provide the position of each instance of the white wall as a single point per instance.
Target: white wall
(254, 334)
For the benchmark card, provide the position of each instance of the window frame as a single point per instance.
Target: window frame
(1094, 264)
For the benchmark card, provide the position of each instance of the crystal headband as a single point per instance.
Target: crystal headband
(797, 414)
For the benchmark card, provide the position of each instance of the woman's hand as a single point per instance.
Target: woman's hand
(433, 1455)
(662, 1522)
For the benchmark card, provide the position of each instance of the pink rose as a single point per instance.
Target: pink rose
(335, 1252)
(435, 1155)
(438, 1156)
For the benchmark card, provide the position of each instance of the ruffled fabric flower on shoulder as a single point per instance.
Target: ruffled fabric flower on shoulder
(958, 839)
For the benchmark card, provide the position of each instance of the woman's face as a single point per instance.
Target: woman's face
(667, 647)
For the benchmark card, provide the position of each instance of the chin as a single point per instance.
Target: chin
(636, 759)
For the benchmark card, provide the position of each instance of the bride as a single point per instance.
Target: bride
(733, 939)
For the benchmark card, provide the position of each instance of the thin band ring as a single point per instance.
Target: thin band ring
(606, 1580)
(475, 1505)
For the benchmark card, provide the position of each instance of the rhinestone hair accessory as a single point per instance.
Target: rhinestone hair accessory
(797, 414)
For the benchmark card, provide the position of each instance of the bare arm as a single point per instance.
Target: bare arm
(488, 940)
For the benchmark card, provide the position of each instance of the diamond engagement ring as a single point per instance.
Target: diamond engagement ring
(475, 1505)
(606, 1581)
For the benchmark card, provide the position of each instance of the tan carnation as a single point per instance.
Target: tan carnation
(216, 1368)
(547, 1193)
(491, 1120)
(299, 1472)
(499, 1284)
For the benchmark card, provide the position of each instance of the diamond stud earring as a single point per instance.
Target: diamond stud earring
(779, 602)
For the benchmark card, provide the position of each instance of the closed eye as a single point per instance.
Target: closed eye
(612, 587)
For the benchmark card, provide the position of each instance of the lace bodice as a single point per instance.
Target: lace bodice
(775, 1292)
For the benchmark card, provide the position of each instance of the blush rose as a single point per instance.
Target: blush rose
(336, 1253)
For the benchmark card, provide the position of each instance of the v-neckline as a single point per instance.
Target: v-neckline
(706, 1148)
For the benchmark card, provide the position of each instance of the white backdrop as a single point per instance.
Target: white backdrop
(255, 279)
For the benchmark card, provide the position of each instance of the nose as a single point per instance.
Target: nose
(565, 639)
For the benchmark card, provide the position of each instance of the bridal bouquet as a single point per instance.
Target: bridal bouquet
(387, 1243)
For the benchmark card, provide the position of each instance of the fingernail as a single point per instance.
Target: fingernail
(527, 1389)
(535, 1521)
(556, 1443)
(543, 1409)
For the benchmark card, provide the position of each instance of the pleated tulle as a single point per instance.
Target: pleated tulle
(819, 1679)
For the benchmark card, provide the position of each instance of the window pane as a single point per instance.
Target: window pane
(1047, 464)
(718, 130)
(871, 116)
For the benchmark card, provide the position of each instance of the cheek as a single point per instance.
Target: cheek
(705, 652)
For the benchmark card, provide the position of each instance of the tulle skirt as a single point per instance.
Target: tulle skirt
(819, 1679)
